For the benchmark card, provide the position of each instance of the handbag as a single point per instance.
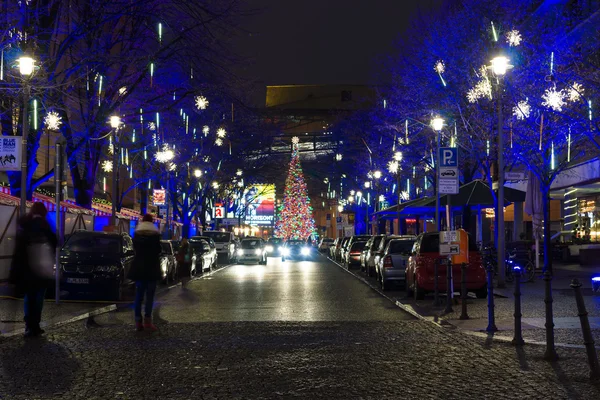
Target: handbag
(41, 260)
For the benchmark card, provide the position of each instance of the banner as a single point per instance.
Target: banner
(10, 153)
(260, 205)
(159, 197)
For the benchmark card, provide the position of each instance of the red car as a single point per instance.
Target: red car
(420, 271)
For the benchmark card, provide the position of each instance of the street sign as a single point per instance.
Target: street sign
(219, 212)
(514, 176)
(449, 237)
(10, 153)
(449, 249)
(159, 197)
(448, 186)
(449, 172)
(448, 157)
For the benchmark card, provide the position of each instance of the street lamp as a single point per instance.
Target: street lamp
(115, 122)
(437, 124)
(197, 173)
(499, 66)
(26, 68)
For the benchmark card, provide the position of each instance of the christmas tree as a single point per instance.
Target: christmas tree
(295, 218)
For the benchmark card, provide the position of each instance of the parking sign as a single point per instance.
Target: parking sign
(448, 157)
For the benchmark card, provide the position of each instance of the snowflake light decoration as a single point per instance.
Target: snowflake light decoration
(201, 102)
(221, 132)
(219, 142)
(522, 110)
(575, 92)
(295, 140)
(393, 167)
(483, 88)
(172, 167)
(514, 38)
(53, 121)
(554, 99)
(440, 67)
(107, 166)
(122, 91)
(206, 159)
(151, 126)
(404, 195)
(164, 155)
(205, 130)
(338, 157)
(239, 172)
(111, 148)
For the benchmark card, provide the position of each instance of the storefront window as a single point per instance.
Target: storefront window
(588, 227)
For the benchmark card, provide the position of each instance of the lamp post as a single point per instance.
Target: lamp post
(367, 201)
(437, 124)
(377, 176)
(499, 66)
(26, 68)
(394, 168)
(115, 122)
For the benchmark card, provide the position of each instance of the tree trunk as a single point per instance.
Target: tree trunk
(547, 238)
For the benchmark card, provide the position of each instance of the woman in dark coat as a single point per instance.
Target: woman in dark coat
(32, 264)
(145, 270)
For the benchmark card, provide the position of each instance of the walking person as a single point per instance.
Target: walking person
(32, 269)
(145, 270)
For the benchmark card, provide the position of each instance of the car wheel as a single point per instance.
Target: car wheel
(418, 292)
(481, 293)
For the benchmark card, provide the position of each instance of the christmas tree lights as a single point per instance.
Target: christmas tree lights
(295, 218)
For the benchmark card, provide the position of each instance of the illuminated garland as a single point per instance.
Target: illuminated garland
(295, 218)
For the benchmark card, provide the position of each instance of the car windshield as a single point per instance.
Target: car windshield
(218, 237)
(295, 242)
(401, 246)
(376, 242)
(166, 247)
(358, 245)
(94, 244)
(275, 241)
(250, 244)
(196, 244)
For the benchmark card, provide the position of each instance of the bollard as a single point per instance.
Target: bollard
(490, 284)
(463, 291)
(588, 339)
(518, 336)
(550, 354)
(436, 289)
(449, 288)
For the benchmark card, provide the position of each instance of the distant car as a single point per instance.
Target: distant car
(392, 265)
(274, 247)
(346, 249)
(224, 243)
(353, 255)
(420, 270)
(296, 249)
(252, 249)
(334, 247)
(96, 263)
(325, 244)
(201, 259)
(368, 258)
(381, 250)
(339, 253)
(168, 263)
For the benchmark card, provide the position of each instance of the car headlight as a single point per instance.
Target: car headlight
(305, 251)
(285, 251)
(110, 268)
(258, 252)
(240, 252)
(270, 249)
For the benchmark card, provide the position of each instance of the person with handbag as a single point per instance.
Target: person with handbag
(145, 270)
(32, 269)
(183, 259)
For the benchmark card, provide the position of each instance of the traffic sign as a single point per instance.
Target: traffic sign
(448, 157)
(514, 176)
(449, 249)
(448, 186)
(449, 237)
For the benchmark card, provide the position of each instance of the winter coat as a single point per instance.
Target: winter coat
(31, 229)
(146, 263)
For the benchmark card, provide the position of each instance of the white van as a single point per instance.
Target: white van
(224, 242)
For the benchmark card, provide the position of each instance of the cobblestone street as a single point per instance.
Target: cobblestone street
(245, 332)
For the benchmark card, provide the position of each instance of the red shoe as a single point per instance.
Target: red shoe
(148, 325)
(139, 326)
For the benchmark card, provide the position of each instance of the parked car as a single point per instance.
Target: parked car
(96, 263)
(368, 254)
(202, 260)
(224, 243)
(392, 265)
(420, 271)
(353, 254)
(296, 250)
(252, 249)
(325, 244)
(381, 251)
(168, 262)
(340, 250)
(334, 247)
(274, 247)
(352, 240)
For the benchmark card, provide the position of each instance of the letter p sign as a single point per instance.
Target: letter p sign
(448, 157)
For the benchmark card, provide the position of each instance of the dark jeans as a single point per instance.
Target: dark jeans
(33, 304)
(144, 288)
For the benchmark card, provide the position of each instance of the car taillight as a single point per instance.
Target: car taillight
(355, 253)
(387, 262)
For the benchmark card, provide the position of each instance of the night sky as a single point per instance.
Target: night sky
(324, 41)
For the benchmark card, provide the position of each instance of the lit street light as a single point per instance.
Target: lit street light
(115, 123)
(437, 124)
(197, 173)
(26, 68)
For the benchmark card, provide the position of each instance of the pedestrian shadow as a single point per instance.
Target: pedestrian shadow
(37, 368)
(565, 380)
(156, 317)
(188, 296)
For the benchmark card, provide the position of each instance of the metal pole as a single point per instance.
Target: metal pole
(588, 339)
(518, 336)
(490, 286)
(168, 201)
(437, 183)
(57, 190)
(463, 291)
(113, 194)
(500, 214)
(550, 353)
(436, 289)
(398, 187)
(24, 140)
(449, 288)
